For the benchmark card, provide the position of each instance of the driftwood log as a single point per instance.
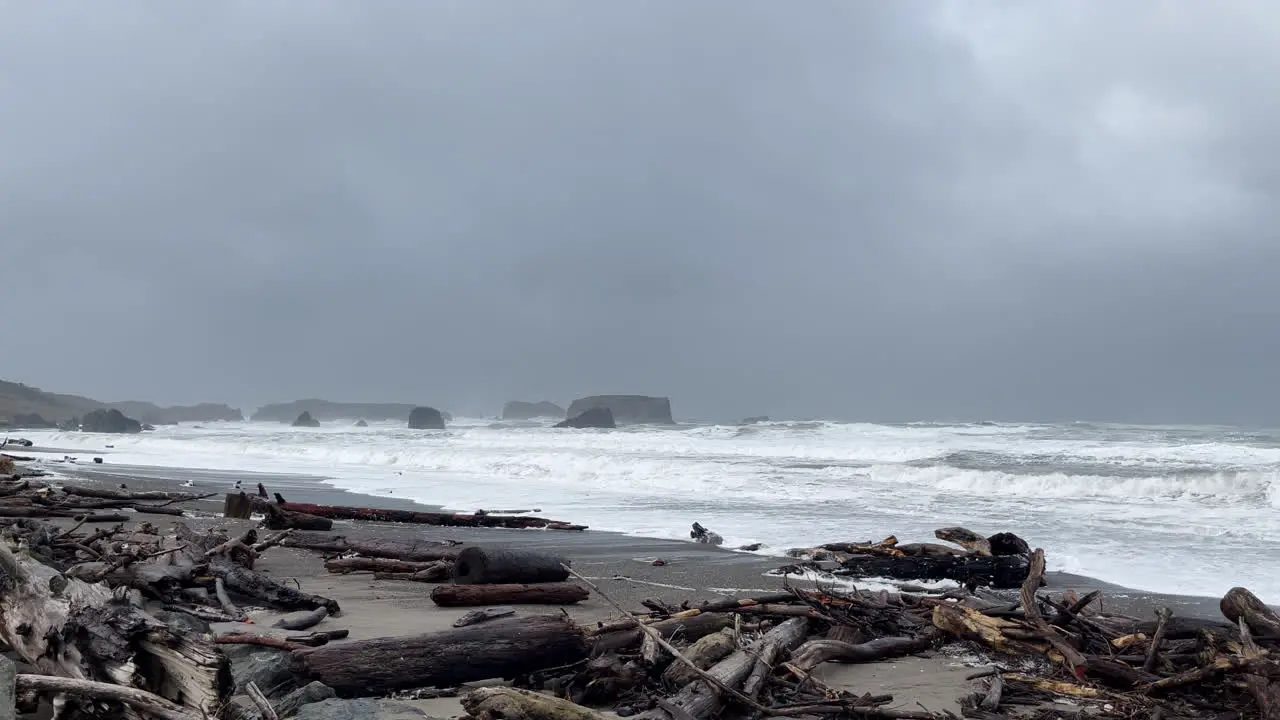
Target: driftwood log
(414, 551)
(502, 648)
(413, 517)
(700, 699)
(560, 593)
(492, 566)
(281, 519)
(373, 564)
(1001, 571)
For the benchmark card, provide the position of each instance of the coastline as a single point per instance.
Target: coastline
(691, 570)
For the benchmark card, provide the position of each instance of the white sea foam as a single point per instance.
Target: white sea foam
(1163, 509)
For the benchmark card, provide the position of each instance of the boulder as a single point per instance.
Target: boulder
(517, 410)
(305, 420)
(754, 419)
(359, 709)
(591, 418)
(109, 421)
(627, 408)
(361, 423)
(426, 418)
(269, 668)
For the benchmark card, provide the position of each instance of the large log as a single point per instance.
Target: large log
(965, 538)
(1004, 571)
(687, 628)
(245, 582)
(498, 649)
(413, 551)
(281, 519)
(367, 564)
(114, 494)
(700, 700)
(704, 653)
(562, 593)
(492, 566)
(339, 512)
(1240, 604)
(815, 652)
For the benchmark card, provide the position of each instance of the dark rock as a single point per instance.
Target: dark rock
(109, 421)
(30, 421)
(426, 418)
(148, 427)
(590, 418)
(269, 668)
(312, 692)
(359, 709)
(627, 408)
(755, 419)
(361, 423)
(1006, 543)
(305, 420)
(517, 410)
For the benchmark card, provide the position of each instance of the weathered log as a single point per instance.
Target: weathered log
(502, 648)
(1265, 691)
(561, 593)
(302, 622)
(337, 512)
(965, 538)
(700, 700)
(704, 653)
(1006, 571)
(1163, 615)
(1035, 576)
(688, 628)
(247, 583)
(503, 703)
(815, 652)
(415, 551)
(142, 700)
(114, 494)
(1239, 604)
(281, 519)
(434, 573)
(366, 564)
(499, 566)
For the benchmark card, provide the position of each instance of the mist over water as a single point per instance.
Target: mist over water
(1177, 510)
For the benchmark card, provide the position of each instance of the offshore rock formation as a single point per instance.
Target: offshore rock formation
(596, 417)
(426, 418)
(627, 408)
(109, 421)
(517, 410)
(305, 420)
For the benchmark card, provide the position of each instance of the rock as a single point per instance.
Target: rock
(426, 418)
(30, 421)
(627, 408)
(305, 420)
(109, 421)
(361, 423)
(1007, 543)
(591, 418)
(517, 410)
(270, 668)
(148, 427)
(754, 419)
(359, 709)
(312, 692)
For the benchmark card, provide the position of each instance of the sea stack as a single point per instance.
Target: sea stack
(305, 420)
(628, 409)
(596, 417)
(517, 410)
(109, 421)
(426, 418)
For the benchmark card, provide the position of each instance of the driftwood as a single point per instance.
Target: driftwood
(113, 494)
(475, 617)
(337, 512)
(501, 703)
(478, 565)
(280, 519)
(308, 620)
(1240, 604)
(416, 551)
(1006, 571)
(966, 539)
(502, 648)
(816, 652)
(147, 702)
(433, 573)
(559, 593)
(372, 564)
(707, 651)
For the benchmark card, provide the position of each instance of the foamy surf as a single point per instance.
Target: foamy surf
(1173, 510)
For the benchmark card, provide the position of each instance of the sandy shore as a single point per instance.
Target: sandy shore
(622, 566)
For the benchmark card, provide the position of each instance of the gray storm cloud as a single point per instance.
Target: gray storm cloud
(856, 210)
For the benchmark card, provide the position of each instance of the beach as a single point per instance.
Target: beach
(623, 566)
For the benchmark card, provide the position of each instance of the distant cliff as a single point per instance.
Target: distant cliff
(329, 410)
(18, 403)
(627, 408)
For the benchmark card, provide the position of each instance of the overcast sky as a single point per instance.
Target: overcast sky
(865, 210)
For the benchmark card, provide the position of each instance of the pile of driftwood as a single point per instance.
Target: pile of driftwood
(24, 497)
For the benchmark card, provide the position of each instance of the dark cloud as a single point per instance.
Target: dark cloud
(865, 210)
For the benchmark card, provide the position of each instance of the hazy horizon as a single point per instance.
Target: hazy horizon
(853, 211)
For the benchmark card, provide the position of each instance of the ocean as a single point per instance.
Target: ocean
(1179, 510)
